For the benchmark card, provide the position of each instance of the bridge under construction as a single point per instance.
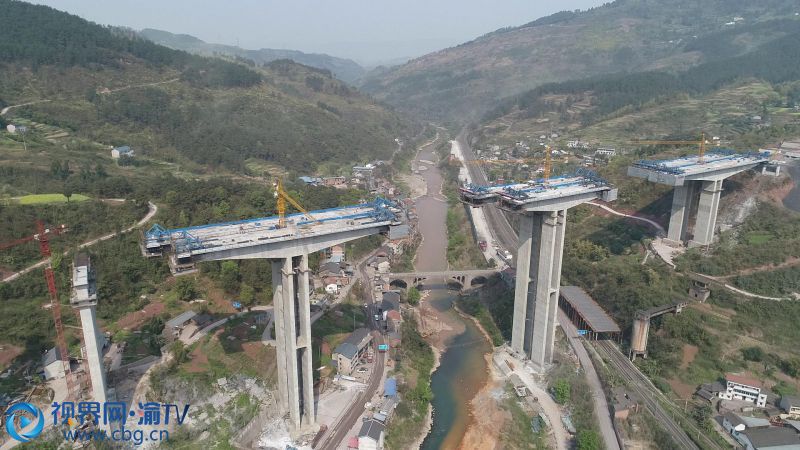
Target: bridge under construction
(542, 208)
(286, 242)
(698, 186)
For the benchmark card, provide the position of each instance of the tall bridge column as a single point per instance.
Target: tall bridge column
(304, 341)
(538, 280)
(679, 216)
(555, 284)
(707, 209)
(291, 309)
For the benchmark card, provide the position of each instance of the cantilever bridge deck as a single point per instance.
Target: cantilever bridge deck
(198, 240)
(669, 171)
(515, 195)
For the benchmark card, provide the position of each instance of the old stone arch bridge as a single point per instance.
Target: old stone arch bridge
(458, 278)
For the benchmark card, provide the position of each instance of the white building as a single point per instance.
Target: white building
(577, 144)
(117, 152)
(755, 433)
(790, 405)
(742, 388)
(53, 366)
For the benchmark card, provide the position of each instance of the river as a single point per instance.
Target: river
(462, 370)
(792, 201)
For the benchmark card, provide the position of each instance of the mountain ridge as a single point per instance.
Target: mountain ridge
(458, 84)
(345, 69)
(108, 86)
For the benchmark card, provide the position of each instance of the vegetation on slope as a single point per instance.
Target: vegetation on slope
(775, 61)
(114, 88)
(415, 364)
(623, 36)
(344, 69)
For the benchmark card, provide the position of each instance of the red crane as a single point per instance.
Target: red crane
(43, 237)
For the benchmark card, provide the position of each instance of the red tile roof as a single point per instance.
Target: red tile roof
(394, 315)
(741, 379)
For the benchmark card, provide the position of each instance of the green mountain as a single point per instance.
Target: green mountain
(111, 87)
(625, 103)
(344, 69)
(460, 83)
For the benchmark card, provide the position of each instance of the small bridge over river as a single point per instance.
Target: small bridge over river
(464, 278)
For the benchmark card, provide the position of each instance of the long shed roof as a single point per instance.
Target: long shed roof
(590, 311)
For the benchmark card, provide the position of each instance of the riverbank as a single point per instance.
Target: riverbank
(484, 428)
(791, 199)
(426, 427)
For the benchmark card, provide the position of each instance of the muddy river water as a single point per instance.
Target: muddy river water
(462, 372)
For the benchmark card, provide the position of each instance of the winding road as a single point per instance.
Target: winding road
(656, 225)
(152, 210)
(110, 91)
(601, 409)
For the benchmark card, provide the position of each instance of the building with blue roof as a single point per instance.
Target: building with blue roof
(390, 387)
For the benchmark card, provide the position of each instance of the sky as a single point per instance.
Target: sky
(368, 31)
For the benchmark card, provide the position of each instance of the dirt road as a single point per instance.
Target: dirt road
(152, 210)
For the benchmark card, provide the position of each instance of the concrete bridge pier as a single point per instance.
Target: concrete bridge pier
(539, 255)
(708, 206)
(679, 216)
(292, 310)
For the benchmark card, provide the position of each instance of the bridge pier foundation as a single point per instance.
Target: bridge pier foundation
(292, 317)
(541, 247)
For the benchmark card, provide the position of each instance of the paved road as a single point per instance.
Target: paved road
(507, 237)
(8, 108)
(650, 396)
(338, 431)
(601, 409)
(152, 210)
(345, 422)
(503, 233)
(548, 404)
(655, 225)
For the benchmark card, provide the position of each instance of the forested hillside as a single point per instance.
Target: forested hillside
(624, 36)
(114, 88)
(344, 69)
(777, 61)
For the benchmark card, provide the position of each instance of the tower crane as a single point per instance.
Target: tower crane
(548, 162)
(281, 196)
(701, 144)
(43, 237)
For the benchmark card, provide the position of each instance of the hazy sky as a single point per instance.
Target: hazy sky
(368, 31)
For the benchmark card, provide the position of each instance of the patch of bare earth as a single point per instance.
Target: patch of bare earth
(134, 320)
(689, 352)
(682, 389)
(198, 362)
(7, 354)
(487, 418)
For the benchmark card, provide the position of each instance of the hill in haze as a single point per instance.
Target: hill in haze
(720, 96)
(344, 69)
(460, 83)
(112, 87)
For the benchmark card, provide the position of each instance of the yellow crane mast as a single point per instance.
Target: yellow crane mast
(281, 196)
(701, 144)
(548, 162)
